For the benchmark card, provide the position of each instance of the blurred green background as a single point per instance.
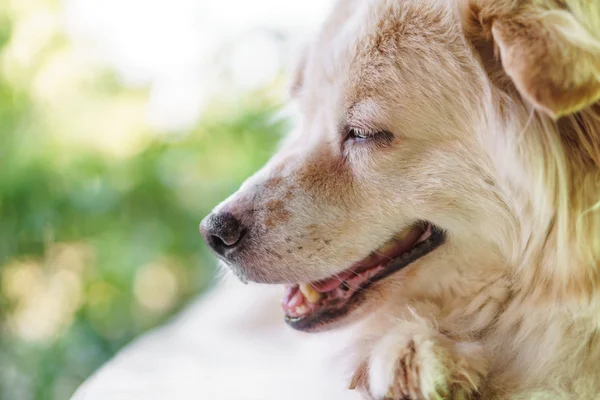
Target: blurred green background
(98, 212)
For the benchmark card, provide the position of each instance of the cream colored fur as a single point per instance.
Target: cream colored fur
(508, 308)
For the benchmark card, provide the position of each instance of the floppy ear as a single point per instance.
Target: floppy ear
(552, 58)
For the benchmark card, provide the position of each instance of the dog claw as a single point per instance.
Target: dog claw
(357, 377)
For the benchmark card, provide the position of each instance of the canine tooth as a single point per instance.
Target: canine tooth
(310, 293)
(296, 300)
(301, 310)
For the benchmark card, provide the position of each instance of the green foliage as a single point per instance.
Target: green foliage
(97, 248)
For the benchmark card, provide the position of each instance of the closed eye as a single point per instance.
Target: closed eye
(361, 135)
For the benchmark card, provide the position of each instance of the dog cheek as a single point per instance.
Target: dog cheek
(327, 181)
(276, 214)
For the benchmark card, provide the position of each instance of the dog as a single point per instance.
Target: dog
(440, 197)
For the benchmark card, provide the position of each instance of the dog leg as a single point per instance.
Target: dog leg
(416, 362)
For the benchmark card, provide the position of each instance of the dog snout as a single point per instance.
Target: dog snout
(223, 232)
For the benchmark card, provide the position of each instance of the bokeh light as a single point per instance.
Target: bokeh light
(122, 123)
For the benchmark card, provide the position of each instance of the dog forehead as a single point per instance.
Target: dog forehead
(366, 54)
(355, 67)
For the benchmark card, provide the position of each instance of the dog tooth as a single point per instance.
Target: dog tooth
(310, 293)
(301, 310)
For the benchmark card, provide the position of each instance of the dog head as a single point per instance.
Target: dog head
(400, 159)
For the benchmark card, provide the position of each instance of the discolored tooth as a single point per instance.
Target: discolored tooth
(301, 310)
(310, 293)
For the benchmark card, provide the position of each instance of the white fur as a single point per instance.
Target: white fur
(508, 306)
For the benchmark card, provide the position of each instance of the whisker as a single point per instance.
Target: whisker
(383, 255)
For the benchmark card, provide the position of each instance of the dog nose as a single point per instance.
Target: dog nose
(222, 232)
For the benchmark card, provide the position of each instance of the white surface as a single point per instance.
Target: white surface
(231, 345)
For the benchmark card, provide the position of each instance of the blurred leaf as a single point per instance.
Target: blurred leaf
(85, 229)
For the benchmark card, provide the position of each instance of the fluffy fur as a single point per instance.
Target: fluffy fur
(493, 107)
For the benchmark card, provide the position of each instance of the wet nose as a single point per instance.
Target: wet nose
(222, 232)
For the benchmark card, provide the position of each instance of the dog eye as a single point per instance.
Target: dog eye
(360, 135)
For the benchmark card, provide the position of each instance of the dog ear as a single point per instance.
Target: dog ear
(551, 55)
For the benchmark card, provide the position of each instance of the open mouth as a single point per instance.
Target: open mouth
(310, 306)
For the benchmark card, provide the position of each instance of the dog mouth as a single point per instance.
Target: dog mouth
(314, 305)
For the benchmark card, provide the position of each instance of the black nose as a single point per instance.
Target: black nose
(222, 232)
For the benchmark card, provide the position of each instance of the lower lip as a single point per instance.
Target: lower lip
(326, 318)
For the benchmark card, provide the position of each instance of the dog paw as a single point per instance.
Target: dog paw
(420, 364)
